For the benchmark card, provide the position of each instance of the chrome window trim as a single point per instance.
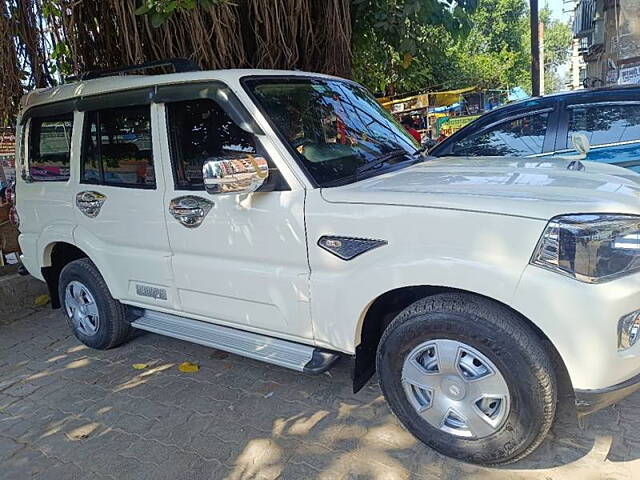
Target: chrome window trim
(603, 104)
(599, 146)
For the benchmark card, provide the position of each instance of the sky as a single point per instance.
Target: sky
(561, 11)
(558, 7)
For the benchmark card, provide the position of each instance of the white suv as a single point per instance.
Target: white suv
(286, 217)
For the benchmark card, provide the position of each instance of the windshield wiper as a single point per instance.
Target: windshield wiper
(380, 160)
(393, 154)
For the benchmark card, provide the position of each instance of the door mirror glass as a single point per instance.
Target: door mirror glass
(242, 173)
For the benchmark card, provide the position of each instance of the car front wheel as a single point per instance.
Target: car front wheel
(468, 378)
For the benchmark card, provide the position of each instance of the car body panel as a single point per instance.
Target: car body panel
(246, 264)
(560, 304)
(535, 188)
(473, 251)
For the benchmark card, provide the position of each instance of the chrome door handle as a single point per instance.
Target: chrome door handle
(90, 203)
(190, 210)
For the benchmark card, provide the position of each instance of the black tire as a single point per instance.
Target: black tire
(507, 341)
(113, 329)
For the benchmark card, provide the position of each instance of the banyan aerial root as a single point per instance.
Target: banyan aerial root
(44, 40)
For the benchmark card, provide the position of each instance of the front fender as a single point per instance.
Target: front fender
(471, 251)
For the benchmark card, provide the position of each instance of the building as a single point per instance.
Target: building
(577, 68)
(607, 34)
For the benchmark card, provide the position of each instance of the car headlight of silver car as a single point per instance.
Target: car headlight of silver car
(590, 248)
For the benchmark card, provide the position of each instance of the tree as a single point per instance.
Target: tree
(557, 48)
(400, 46)
(495, 54)
(397, 44)
(43, 39)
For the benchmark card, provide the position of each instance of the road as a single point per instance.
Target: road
(68, 412)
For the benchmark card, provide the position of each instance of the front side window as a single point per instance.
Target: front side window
(200, 131)
(605, 124)
(117, 148)
(337, 129)
(516, 138)
(50, 148)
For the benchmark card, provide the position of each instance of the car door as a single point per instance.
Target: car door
(611, 124)
(245, 262)
(119, 200)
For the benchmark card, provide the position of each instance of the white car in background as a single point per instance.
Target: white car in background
(286, 217)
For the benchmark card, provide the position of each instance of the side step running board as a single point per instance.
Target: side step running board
(295, 356)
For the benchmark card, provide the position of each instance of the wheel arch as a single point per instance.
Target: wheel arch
(383, 309)
(56, 255)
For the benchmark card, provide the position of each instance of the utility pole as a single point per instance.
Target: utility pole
(541, 55)
(535, 48)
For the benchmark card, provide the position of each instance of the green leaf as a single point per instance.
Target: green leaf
(171, 6)
(157, 19)
(143, 9)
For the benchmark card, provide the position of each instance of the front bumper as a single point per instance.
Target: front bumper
(589, 401)
(581, 321)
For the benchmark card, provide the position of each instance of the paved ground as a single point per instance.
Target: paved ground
(70, 412)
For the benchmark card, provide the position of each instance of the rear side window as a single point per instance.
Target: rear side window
(50, 148)
(519, 138)
(604, 124)
(117, 148)
(199, 131)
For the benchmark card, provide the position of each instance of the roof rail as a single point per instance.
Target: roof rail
(180, 65)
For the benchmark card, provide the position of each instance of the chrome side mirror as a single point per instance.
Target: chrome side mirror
(243, 173)
(581, 143)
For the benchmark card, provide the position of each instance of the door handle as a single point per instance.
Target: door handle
(190, 210)
(90, 203)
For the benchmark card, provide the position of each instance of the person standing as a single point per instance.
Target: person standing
(407, 123)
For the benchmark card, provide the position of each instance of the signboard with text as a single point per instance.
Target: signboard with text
(629, 75)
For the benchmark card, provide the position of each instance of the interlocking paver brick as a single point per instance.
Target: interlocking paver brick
(70, 412)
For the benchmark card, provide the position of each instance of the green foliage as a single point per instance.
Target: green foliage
(61, 56)
(496, 53)
(557, 44)
(487, 45)
(396, 42)
(160, 10)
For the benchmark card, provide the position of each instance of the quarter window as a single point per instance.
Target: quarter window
(604, 124)
(50, 148)
(519, 138)
(201, 131)
(117, 148)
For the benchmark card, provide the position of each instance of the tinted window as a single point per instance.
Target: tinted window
(50, 148)
(200, 131)
(117, 148)
(519, 138)
(336, 129)
(604, 124)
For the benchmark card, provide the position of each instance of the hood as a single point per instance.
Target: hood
(530, 187)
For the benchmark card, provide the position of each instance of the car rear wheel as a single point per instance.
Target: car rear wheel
(468, 378)
(96, 318)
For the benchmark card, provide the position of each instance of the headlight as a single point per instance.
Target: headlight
(590, 248)
(628, 330)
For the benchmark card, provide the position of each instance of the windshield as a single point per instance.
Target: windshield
(337, 129)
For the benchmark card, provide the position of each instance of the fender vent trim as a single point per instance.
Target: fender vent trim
(348, 248)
